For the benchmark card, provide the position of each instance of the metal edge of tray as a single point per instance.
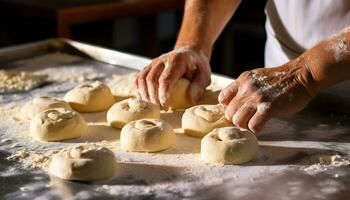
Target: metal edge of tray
(24, 51)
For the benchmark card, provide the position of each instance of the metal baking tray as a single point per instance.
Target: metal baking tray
(285, 146)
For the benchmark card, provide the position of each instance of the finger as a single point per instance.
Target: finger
(142, 84)
(232, 108)
(171, 74)
(152, 82)
(228, 93)
(243, 115)
(198, 85)
(259, 119)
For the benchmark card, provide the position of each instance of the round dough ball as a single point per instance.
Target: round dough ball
(147, 135)
(85, 162)
(129, 110)
(57, 124)
(199, 120)
(90, 97)
(178, 98)
(229, 145)
(39, 104)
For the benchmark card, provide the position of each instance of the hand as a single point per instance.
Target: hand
(156, 80)
(261, 94)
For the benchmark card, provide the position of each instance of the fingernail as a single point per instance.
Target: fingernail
(222, 96)
(235, 117)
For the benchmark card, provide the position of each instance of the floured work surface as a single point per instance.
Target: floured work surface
(303, 157)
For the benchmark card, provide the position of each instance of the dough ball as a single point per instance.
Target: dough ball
(57, 124)
(39, 104)
(178, 98)
(129, 110)
(147, 135)
(199, 120)
(85, 162)
(90, 97)
(229, 145)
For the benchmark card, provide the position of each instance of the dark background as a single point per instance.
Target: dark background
(239, 48)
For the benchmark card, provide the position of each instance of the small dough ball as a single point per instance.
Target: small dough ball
(129, 110)
(178, 98)
(57, 124)
(39, 104)
(229, 145)
(85, 162)
(199, 120)
(147, 135)
(90, 97)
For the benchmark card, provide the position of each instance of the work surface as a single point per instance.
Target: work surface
(294, 161)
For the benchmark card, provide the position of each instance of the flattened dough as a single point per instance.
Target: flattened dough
(90, 97)
(147, 135)
(85, 162)
(199, 120)
(129, 110)
(57, 124)
(39, 104)
(229, 145)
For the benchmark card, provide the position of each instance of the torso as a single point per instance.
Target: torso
(293, 26)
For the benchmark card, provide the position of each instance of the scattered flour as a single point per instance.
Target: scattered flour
(265, 88)
(325, 162)
(340, 48)
(19, 81)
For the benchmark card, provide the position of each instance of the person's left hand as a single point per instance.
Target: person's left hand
(261, 94)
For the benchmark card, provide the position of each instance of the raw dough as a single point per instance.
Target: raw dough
(199, 120)
(85, 162)
(147, 135)
(57, 124)
(90, 97)
(129, 110)
(178, 98)
(229, 145)
(39, 104)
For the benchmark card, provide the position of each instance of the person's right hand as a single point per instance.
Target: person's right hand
(157, 79)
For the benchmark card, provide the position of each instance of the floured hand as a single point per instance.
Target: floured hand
(264, 93)
(156, 80)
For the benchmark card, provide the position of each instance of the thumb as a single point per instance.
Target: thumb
(198, 85)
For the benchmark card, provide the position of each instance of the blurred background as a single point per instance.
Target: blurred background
(144, 27)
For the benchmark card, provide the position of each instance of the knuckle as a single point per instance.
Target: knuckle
(150, 79)
(142, 83)
(165, 78)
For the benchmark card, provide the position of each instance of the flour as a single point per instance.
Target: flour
(325, 162)
(338, 45)
(267, 89)
(263, 107)
(19, 81)
(340, 48)
(121, 87)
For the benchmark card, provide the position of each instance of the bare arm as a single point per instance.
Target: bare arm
(203, 21)
(329, 61)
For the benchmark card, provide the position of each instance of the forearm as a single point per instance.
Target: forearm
(329, 61)
(203, 22)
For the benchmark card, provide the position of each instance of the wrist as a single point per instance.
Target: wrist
(199, 48)
(303, 72)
